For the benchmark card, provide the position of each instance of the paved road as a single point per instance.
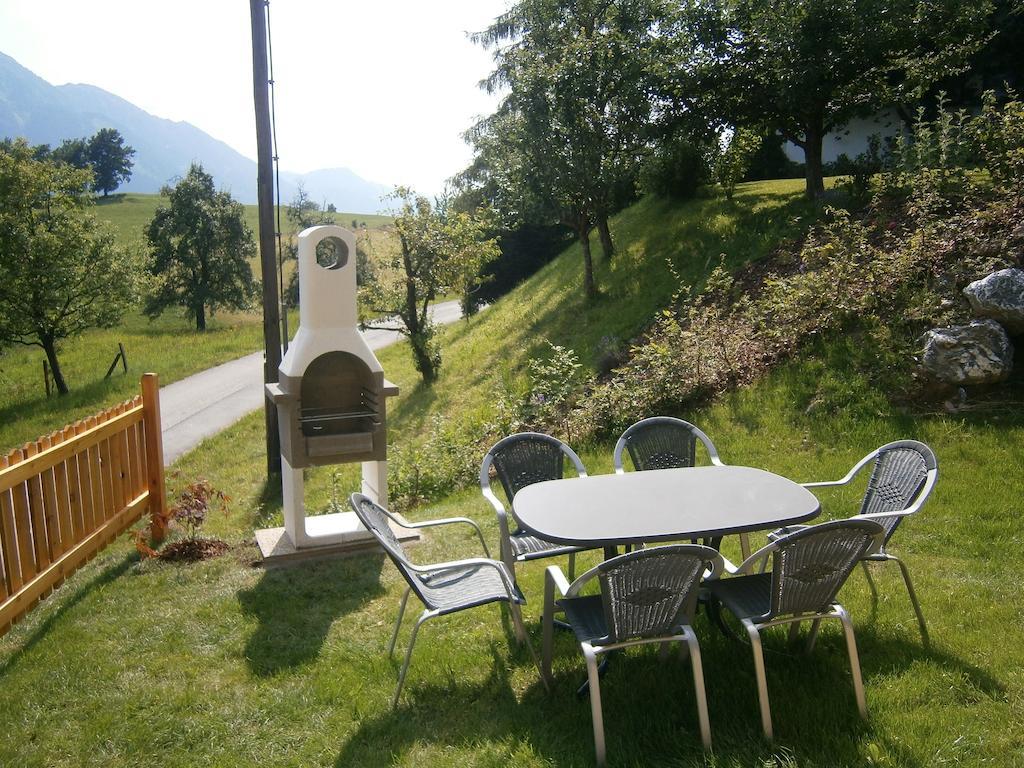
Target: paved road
(202, 405)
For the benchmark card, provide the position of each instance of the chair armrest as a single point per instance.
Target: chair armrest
(554, 578)
(504, 534)
(449, 521)
(824, 483)
(757, 562)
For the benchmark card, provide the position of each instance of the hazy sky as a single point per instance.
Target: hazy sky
(384, 88)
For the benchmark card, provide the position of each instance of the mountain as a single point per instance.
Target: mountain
(47, 114)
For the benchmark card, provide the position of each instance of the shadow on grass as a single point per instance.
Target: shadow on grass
(296, 605)
(107, 576)
(649, 715)
(457, 715)
(268, 504)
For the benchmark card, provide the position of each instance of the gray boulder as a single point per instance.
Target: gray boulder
(1001, 297)
(979, 353)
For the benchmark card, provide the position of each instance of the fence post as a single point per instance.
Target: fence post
(154, 456)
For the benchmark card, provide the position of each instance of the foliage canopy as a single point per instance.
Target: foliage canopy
(60, 271)
(201, 249)
(440, 251)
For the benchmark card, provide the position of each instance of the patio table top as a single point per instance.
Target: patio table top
(661, 505)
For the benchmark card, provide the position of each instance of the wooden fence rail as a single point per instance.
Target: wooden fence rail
(67, 495)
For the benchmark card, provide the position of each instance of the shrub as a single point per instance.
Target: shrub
(732, 163)
(676, 169)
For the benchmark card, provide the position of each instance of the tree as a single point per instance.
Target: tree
(581, 79)
(74, 152)
(111, 160)
(60, 271)
(201, 248)
(439, 251)
(808, 66)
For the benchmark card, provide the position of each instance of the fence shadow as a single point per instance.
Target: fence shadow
(296, 605)
(66, 603)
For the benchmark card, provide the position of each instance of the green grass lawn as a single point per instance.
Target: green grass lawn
(226, 664)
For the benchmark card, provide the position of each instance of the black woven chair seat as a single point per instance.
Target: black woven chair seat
(453, 590)
(528, 547)
(745, 596)
(585, 615)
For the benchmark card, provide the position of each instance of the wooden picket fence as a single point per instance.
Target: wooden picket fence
(67, 495)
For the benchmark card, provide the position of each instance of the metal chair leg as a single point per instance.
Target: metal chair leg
(398, 621)
(762, 679)
(547, 627)
(871, 581)
(913, 599)
(663, 649)
(572, 566)
(595, 702)
(794, 632)
(698, 686)
(851, 648)
(517, 620)
(408, 657)
(813, 635)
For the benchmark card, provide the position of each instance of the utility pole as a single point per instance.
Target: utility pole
(265, 198)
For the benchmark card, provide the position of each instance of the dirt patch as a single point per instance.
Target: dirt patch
(193, 550)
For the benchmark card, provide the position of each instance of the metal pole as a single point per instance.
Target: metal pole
(265, 197)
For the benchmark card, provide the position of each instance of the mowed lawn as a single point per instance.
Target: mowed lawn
(223, 663)
(226, 664)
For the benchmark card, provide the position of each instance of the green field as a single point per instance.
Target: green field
(130, 214)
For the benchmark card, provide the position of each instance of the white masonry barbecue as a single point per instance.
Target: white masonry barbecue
(331, 390)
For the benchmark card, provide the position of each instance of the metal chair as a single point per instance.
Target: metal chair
(518, 461)
(443, 588)
(647, 596)
(664, 442)
(809, 567)
(903, 474)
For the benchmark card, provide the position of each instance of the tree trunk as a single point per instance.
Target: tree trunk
(50, 348)
(201, 317)
(812, 162)
(607, 246)
(583, 233)
(421, 354)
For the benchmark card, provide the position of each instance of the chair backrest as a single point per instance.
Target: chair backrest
(899, 477)
(375, 518)
(652, 592)
(662, 442)
(810, 566)
(526, 458)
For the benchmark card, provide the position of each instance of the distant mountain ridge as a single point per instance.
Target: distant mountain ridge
(47, 114)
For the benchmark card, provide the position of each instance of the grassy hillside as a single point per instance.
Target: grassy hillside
(654, 238)
(225, 664)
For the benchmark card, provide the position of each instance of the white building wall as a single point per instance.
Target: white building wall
(852, 139)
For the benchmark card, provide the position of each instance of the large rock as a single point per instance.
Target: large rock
(1001, 297)
(979, 353)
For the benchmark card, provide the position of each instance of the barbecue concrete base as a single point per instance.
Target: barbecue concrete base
(277, 548)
